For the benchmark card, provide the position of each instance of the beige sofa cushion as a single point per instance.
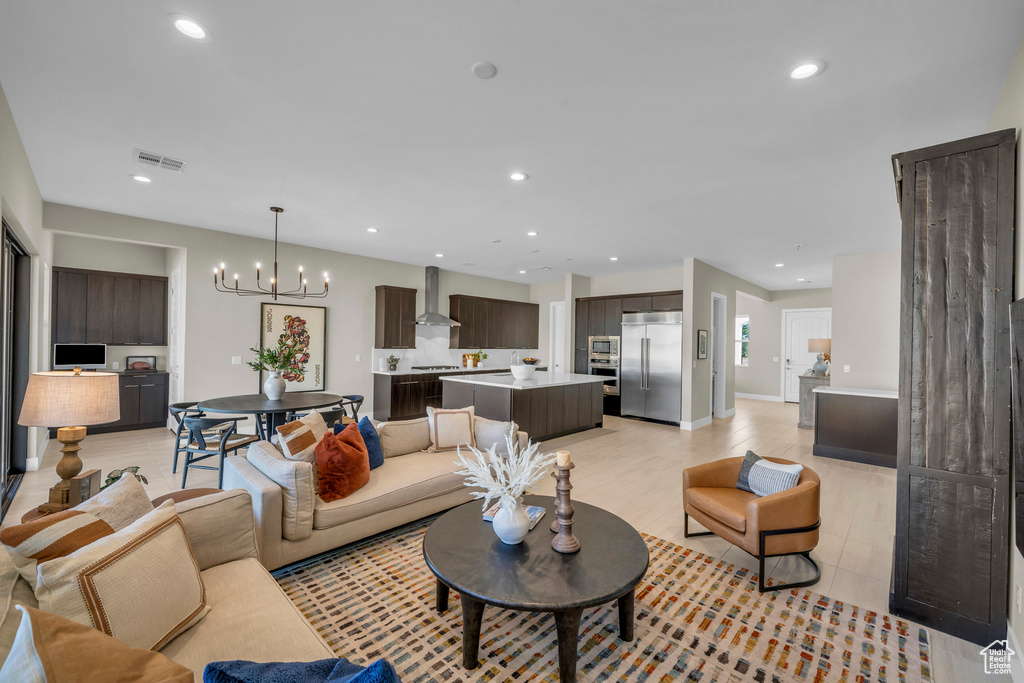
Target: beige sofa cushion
(396, 483)
(250, 618)
(404, 436)
(140, 585)
(220, 526)
(297, 479)
(492, 433)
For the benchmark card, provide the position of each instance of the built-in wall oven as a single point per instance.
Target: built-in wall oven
(604, 361)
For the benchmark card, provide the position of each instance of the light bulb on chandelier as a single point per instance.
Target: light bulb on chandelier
(300, 292)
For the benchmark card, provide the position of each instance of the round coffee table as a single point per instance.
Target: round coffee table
(463, 553)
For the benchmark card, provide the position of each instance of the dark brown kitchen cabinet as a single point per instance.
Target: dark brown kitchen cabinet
(634, 304)
(98, 307)
(395, 318)
(613, 317)
(580, 334)
(667, 302)
(143, 399)
(493, 323)
(597, 319)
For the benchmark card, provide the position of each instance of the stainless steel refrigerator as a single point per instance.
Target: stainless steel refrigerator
(651, 365)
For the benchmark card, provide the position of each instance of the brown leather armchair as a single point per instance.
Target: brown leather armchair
(783, 523)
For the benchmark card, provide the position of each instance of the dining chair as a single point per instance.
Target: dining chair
(203, 444)
(355, 401)
(179, 411)
(330, 416)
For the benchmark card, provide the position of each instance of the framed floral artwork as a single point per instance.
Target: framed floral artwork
(304, 328)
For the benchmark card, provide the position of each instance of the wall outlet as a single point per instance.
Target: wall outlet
(775, 359)
(1017, 594)
(117, 365)
(358, 357)
(695, 365)
(846, 368)
(236, 360)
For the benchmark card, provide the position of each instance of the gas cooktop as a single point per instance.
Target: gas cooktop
(435, 367)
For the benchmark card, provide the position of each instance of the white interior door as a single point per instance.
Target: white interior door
(718, 338)
(799, 326)
(557, 342)
(174, 351)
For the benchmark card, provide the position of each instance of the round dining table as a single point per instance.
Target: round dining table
(269, 414)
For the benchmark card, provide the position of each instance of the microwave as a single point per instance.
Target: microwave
(603, 347)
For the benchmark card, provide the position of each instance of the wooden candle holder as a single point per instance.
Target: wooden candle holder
(564, 540)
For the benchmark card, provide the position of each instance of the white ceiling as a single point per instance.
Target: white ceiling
(651, 131)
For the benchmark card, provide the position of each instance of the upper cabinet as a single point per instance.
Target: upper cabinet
(395, 321)
(493, 323)
(602, 316)
(96, 307)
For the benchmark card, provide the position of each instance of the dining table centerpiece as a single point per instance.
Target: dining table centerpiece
(505, 478)
(274, 361)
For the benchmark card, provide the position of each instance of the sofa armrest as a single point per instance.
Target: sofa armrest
(721, 474)
(790, 509)
(220, 527)
(267, 501)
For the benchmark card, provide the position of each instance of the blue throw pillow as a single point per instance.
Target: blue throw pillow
(322, 671)
(370, 438)
(743, 482)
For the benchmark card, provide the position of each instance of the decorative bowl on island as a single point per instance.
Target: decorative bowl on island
(530, 361)
(523, 371)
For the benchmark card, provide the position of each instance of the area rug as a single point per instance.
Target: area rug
(697, 619)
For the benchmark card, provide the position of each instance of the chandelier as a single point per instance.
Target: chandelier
(300, 292)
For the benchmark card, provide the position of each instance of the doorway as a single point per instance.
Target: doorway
(175, 357)
(719, 305)
(798, 326)
(556, 342)
(15, 309)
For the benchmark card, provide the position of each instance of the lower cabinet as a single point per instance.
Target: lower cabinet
(143, 402)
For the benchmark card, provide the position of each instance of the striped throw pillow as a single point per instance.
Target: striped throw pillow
(47, 538)
(298, 439)
(767, 477)
(743, 482)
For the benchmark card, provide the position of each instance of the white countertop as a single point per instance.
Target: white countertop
(439, 372)
(539, 380)
(871, 393)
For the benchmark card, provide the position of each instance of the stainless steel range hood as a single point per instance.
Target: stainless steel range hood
(431, 295)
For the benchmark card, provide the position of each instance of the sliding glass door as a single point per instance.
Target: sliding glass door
(14, 319)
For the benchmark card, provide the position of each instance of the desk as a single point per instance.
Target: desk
(269, 414)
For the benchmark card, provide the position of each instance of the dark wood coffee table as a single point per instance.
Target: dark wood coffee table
(463, 553)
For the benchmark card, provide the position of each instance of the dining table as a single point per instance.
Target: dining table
(270, 414)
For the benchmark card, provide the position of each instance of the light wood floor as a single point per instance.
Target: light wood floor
(634, 469)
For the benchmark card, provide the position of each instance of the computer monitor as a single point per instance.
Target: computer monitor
(85, 356)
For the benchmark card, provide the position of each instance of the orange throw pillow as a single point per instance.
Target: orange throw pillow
(343, 463)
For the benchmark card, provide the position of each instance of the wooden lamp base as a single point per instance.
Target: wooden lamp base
(67, 469)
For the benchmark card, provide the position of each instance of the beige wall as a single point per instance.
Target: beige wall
(762, 378)
(543, 295)
(72, 251)
(218, 326)
(866, 320)
(1009, 113)
(22, 207)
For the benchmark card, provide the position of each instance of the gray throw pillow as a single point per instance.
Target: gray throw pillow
(743, 482)
(766, 477)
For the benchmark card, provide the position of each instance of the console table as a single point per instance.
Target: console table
(808, 383)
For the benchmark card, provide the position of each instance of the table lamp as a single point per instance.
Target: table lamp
(61, 398)
(822, 347)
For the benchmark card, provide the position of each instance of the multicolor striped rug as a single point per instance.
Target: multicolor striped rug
(697, 619)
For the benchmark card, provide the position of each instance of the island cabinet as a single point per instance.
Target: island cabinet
(598, 316)
(546, 407)
(493, 323)
(98, 307)
(395, 318)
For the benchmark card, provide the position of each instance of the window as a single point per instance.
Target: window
(742, 338)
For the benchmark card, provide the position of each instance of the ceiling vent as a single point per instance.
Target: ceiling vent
(153, 159)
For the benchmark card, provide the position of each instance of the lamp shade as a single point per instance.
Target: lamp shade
(819, 345)
(64, 399)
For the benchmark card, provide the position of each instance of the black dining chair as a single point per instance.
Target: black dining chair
(330, 416)
(205, 442)
(179, 411)
(355, 402)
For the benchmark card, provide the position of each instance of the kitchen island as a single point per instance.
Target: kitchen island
(548, 405)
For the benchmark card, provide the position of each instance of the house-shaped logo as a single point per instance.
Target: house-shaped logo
(997, 657)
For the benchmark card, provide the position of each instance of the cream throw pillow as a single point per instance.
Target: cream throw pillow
(140, 585)
(298, 439)
(298, 482)
(450, 428)
(404, 436)
(121, 503)
(492, 433)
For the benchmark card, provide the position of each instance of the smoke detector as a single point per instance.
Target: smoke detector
(154, 159)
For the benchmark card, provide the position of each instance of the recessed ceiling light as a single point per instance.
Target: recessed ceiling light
(532, 233)
(779, 265)
(522, 272)
(614, 258)
(484, 70)
(439, 255)
(190, 27)
(517, 175)
(807, 69)
(371, 230)
(799, 279)
(140, 178)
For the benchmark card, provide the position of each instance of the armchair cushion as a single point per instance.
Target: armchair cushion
(728, 506)
(297, 479)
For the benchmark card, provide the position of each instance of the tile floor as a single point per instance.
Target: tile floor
(634, 469)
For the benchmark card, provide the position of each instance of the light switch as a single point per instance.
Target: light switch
(358, 357)
(694, 364)
(775, 359)
(846, 368)
(236, 360)
(116, 365)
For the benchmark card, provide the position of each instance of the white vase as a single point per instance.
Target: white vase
(273, 387)
(511, 523)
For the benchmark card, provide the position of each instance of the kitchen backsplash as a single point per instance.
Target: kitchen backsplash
(432, 349)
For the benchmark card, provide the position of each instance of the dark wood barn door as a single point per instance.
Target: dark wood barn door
(953, 464)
